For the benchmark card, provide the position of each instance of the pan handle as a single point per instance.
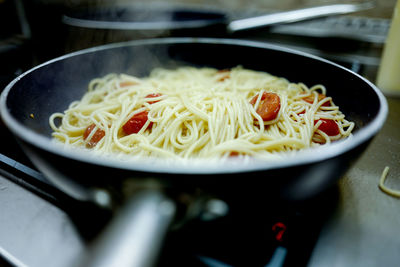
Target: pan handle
(135, 236)
(297, 15)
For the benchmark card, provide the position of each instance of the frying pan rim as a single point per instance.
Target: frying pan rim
(166, 25)
(300, 158)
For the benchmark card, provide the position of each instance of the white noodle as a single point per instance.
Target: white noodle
(384, 188)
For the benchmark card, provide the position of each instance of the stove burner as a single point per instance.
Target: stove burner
(280, 234)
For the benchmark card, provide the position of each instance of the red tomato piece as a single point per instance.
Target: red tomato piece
(151, 96)
(269, 106)
(136, 123)
(310, 99)
(233, 154)
(329, 127)
(97, 136)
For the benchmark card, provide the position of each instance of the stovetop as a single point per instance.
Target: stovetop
(351, 224)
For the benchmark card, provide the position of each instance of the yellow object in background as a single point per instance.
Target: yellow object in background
(388, 79)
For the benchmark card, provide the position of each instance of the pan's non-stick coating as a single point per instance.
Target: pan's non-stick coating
(53, 86)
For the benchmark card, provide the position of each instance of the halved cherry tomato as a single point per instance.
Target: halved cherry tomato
(127, 83)
(151, 96)
(310, 99)
(329, 127)
(269, 106)
(233, 154)
(136, 122)
(97, 136)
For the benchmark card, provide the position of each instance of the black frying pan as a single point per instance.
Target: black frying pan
(51, 86)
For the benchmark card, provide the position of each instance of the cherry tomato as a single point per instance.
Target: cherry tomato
(97, 136)
(269, 106)
(136, 122)
(310, 99)
(233, 154)
(329, 127)
(151, 96)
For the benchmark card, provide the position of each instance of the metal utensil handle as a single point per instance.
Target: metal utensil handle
(135, 236)
(296, 15)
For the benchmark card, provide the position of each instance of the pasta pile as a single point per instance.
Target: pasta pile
(192, 112)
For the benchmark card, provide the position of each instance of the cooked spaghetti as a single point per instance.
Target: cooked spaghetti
(384, 188)
(200, 113)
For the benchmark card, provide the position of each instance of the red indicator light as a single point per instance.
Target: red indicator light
(279, 228)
